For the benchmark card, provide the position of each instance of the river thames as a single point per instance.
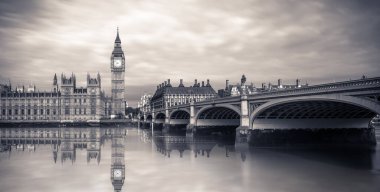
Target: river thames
(80, 159)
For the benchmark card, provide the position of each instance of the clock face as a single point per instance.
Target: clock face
(117, 62)
(117, 173)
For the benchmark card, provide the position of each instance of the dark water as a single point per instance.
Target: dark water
(81, 159)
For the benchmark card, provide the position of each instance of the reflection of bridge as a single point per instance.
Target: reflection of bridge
(342, 105)
(198, 145)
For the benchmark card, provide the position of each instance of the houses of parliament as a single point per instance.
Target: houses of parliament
(66, 101)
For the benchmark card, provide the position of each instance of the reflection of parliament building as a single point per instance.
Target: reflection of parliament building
(66, 141)
(66, 101)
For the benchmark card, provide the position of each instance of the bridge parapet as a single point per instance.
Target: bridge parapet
(205, 102)
(324, 88)
(219, 100)
(178, 106)
(361, 84)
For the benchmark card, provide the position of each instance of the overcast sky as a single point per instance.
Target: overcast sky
(317, 41)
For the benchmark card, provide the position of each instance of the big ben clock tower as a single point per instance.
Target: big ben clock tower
(117, 78)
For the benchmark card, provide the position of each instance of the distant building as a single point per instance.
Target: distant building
(281, 86)
(167, 95)
(239, 88)
(144, 104)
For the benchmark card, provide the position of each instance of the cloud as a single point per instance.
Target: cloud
(318, 41)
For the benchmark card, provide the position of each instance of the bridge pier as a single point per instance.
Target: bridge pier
(191, 128)
(153, 120)
(166, 125)
(242, 130)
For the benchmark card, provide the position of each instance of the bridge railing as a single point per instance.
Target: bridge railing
(322, 88)
(207, 101)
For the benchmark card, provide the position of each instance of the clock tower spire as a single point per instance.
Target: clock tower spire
(117, 79)
(117, 40)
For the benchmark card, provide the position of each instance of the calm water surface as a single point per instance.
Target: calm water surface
(83, 159)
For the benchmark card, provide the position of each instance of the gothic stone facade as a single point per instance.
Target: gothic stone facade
(64, 102)
(82, 103)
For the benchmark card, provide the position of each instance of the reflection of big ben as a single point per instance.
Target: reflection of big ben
(118, 164)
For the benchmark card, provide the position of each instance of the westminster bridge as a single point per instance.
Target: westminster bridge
(332, 107)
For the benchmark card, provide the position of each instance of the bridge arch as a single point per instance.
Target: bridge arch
(160, 117)
(219, 115)
(325, 111)
(149, 117)
(180, 116)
